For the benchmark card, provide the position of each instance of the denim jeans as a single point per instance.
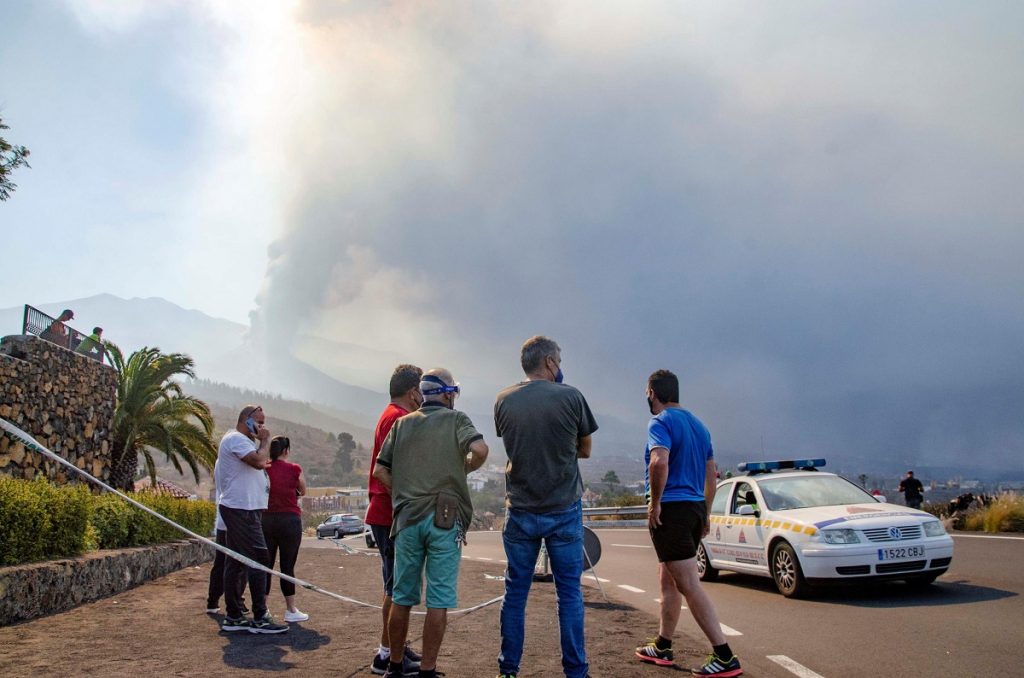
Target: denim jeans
(562, 534)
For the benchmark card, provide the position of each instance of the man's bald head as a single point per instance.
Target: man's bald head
(429, 383)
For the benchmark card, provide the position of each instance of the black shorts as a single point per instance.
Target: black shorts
(386, 548)
(682, 526)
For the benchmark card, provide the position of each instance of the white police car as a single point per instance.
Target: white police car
(788, 521)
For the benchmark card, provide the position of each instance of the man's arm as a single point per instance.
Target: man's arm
(583, 444)
(710, 485)
(383, 474)
(657, 472)
(261, 456)
(477, 455)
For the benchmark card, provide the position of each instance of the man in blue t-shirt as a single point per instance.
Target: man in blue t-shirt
(680, 479)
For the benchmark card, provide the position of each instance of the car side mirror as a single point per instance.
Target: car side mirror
(748, 510)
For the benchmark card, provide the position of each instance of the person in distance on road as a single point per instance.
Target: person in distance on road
(404, 390)
(546, 427)
(912, 490)
(424, 460)
(680, 478)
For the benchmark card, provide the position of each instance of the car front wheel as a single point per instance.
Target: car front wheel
(786, 572)
(704, 569)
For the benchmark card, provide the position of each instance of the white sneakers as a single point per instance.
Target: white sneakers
(297, 616)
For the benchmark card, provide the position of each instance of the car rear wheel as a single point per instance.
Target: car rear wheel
(786, 572)
(704, 569)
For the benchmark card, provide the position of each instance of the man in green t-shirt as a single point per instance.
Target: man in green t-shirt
(425, 460)
(92, 345)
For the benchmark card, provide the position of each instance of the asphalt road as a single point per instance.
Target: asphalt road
(969, 623)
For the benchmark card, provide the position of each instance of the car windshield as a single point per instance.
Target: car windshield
(795, 492)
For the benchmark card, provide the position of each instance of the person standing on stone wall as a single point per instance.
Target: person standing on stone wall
(57, 333)
(92, 346)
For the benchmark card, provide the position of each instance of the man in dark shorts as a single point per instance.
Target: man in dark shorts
(405, 398)
(680, 488)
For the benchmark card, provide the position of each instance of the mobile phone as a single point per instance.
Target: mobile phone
(250, 424)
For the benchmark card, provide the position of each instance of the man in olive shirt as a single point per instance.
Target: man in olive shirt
(546, 427)
(424, 460)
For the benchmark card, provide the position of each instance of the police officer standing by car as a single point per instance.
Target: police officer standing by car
(680, 488)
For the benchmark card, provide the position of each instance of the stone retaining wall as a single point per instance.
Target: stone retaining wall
(63, 399)
(38, 589)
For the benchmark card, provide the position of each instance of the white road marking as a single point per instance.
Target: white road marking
(634, 546)
(482, 558)
(631, 589)
(793, 667)
(985, 536)
(728, 630)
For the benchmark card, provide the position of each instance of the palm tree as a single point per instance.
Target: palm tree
(153, 413)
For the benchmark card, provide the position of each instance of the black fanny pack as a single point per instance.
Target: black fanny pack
(446, 511)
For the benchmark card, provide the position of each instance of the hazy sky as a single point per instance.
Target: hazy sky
(811, 211)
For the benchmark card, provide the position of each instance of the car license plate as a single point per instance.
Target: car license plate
(901, 552)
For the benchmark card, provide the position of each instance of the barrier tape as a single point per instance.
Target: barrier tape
(32, 444)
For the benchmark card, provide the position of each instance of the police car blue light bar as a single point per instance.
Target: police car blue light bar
(767, 466)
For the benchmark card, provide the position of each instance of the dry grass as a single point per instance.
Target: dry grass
(1004, 514)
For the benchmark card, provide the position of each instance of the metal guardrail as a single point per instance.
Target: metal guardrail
(608, 517)
(38, 323)
(617, 511)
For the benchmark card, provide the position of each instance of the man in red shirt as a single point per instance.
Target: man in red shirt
(405, 398)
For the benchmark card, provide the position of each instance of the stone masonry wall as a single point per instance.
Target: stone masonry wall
(63, 399)
(38, 589)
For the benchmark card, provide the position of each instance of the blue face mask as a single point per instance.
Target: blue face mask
(559, 376)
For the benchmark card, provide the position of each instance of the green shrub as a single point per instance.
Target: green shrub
(22, 522)
(111, 518)
(197, 516)
(67, 510)
(39, 520)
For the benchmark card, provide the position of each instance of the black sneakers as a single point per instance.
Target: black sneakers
(266, 624)
(408, 668)
(719, 668)
(235, 624)
(651, 653)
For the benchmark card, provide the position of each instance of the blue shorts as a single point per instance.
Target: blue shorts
(426, 546)
(386, 548)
